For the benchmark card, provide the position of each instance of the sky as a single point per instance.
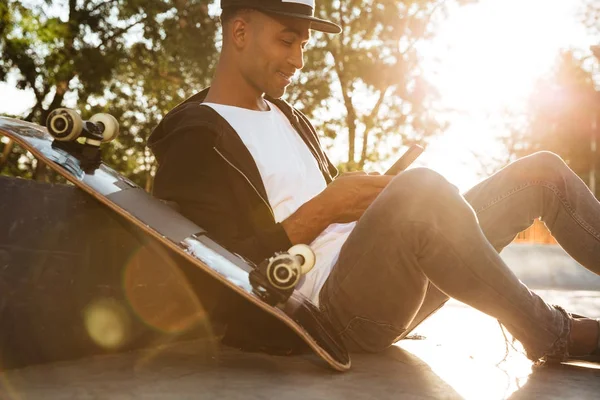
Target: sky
(485, 57)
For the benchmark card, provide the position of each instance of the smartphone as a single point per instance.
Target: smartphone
(407, 158)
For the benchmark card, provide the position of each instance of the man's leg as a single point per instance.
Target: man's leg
(540, 185)
(421, 231)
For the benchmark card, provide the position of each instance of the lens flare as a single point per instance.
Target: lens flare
(107, 323)
(160, 294)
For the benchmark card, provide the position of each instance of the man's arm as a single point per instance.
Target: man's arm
(307, 222)
(344, 200)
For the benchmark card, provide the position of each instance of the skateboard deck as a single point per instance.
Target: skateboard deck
(179, 234)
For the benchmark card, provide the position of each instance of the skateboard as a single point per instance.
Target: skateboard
(71, 147)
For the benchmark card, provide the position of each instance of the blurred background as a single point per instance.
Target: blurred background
(479, 83)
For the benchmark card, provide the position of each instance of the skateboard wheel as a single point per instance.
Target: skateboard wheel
(109, 125)
(283, 272)
(64, 124)
(306, 257)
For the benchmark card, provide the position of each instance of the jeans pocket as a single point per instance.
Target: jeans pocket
(365, 335)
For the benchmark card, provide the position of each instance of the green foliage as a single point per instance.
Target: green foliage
(133, 59)
(137, 59)
(168, 64)
(54, 57)
(378, 98)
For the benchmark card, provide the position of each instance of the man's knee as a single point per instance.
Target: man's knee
(418, 191)
(543, 165)
(422, 182)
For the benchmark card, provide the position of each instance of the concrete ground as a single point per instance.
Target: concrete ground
(447, 363)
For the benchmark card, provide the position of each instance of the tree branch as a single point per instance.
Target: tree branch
(369, 125)
(59, 95)
(101, 4)
(350, 112)
(5, 154)
(337, 52)
(428, 17)
(119, 32)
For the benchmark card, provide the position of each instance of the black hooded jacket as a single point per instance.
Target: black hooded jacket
(206, 169)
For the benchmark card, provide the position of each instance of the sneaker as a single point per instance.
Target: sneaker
(595, 356)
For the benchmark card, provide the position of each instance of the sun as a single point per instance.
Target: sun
(485, 59)
(492, 52)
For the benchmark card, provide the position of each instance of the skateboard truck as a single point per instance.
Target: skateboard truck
(275, 279)
(81, 138)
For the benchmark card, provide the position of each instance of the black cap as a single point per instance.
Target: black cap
(303, 9)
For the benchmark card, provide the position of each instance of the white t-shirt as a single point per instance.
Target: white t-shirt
(291, 177)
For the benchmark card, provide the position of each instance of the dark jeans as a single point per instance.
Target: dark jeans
(421, 241)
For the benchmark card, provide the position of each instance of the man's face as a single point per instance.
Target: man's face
(274, 52)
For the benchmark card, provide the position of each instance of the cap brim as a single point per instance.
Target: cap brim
(317, 24)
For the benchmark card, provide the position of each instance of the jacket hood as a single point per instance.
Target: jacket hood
(157, 140)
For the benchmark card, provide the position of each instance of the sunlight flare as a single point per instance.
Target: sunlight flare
(484, 61)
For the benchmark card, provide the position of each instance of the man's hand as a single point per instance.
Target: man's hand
(347, 197)
(344, 200)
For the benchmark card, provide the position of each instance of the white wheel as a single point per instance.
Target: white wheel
(109, 125)
(283, 272)
(306, 255)
(64, 124)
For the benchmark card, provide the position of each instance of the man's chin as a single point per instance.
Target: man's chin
(276, 93)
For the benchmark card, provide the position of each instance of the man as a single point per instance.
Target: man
(249, 169)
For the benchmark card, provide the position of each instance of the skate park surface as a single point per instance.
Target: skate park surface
(458, 353)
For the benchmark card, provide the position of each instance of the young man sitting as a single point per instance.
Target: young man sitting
(249, 169)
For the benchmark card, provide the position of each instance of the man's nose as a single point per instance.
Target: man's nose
(297, 58)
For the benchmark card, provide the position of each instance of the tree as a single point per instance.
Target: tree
(591, 17)
(138, 59)
(366, 84)
(563, 116)
(55, 57)
(133, 59)
(174, 59)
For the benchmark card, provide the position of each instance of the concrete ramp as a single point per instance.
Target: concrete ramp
(545, 266)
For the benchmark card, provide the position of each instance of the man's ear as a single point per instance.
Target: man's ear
(239, 32)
